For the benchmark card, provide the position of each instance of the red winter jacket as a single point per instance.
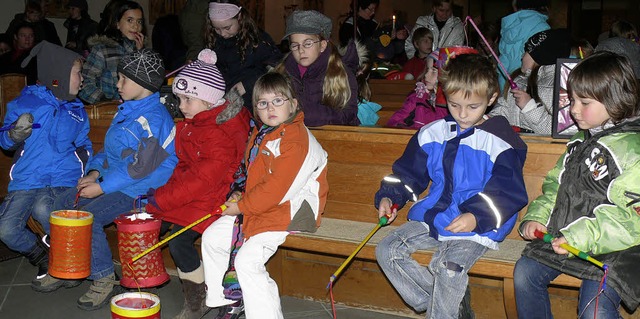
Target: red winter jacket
(209, 151)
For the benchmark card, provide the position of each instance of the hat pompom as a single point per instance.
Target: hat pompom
(208, 56)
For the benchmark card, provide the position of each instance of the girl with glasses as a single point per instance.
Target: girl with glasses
(285, 190)
(323, 79)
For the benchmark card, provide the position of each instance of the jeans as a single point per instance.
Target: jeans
(438, 288)
(531, 279)
(15, 211)
(182, 249)
(105, 208)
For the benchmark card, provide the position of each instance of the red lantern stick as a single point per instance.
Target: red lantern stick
(512, 84)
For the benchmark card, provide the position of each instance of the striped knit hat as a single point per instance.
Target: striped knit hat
(201, 79)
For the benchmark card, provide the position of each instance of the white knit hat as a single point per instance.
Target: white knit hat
(201, 79)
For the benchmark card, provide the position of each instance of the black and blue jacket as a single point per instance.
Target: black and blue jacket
(478, 170)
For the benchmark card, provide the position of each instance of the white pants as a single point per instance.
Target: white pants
(259, 291)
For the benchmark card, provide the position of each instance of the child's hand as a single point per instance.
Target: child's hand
(139, 40)
(235, 196)
(87, 179)
(556, 242)
(529, 228)
(522, 98)
(400, 34)
(464, 223)
(384, 208)
(92, 190)
(232, 208)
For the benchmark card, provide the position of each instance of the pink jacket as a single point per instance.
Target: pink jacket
(416, 112)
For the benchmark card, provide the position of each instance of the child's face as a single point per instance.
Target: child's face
(274, 115)
(131, 23)
(587, 112)
(75, 79)
(130, 90)
(431, 76)
(468, 111)
(368, 12)
(75, 13)
(226, 28)
(190, 106)
(423, 46)
(303, 55)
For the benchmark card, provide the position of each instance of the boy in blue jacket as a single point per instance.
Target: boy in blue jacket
(138, 154)
(47, 160)
(474, 165)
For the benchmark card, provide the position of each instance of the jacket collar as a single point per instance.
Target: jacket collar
(137, 107)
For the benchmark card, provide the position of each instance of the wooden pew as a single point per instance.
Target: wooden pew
(358, 159)
(390, 95)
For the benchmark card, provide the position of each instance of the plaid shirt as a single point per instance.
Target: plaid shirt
(100, 71)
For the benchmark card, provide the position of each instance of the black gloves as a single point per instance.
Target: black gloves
(21, 128)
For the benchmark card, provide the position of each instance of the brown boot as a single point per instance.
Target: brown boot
(195, 292)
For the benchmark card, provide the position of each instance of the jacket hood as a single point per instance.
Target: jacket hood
(354, 55)
(512, 30)
(234, 106)
(101, 39)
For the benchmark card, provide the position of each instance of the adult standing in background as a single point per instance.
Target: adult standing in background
(79, 26)
(447, 30)
(529, 18)
(193, 22)
(35, 15)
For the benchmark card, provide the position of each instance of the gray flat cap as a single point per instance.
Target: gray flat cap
(308, 22)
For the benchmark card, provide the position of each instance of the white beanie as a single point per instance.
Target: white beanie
(201, 79)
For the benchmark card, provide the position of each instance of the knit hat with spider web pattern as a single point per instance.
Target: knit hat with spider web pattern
(144, 67)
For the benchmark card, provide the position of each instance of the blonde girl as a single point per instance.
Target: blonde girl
(323, 79)
(285, 190)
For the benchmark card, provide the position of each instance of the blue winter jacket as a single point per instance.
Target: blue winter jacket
(478, 170)
(138, 149)
(56, 153)
(516, 29)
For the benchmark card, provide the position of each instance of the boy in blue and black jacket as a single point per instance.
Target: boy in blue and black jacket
(138, 154)
(474, 165)
(47, 160)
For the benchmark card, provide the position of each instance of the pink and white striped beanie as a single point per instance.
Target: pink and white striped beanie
(201, 79)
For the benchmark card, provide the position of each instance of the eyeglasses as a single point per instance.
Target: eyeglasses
(307, 44)
(262, 104)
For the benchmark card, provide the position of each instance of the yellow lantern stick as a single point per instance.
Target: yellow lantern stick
(578, 253)
(382, 222)
(217, 211)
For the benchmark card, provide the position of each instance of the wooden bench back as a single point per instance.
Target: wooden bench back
(390, 94)
(359, 157)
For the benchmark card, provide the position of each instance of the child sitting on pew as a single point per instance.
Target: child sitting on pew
(138, 154)
(590, 199)
(285, 190)
(210, 143)
(474, 165)
(47, 160)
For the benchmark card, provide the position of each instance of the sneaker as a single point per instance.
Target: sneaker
(46, 283)
(232, 311)
(100, 293)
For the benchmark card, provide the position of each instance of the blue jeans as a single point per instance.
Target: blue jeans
(438, 288)
(15, 211)
(105, 208)
(531, 280)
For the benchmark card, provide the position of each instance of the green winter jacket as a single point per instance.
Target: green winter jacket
(592, 198)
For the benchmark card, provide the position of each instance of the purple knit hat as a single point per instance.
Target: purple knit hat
(201, 79)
